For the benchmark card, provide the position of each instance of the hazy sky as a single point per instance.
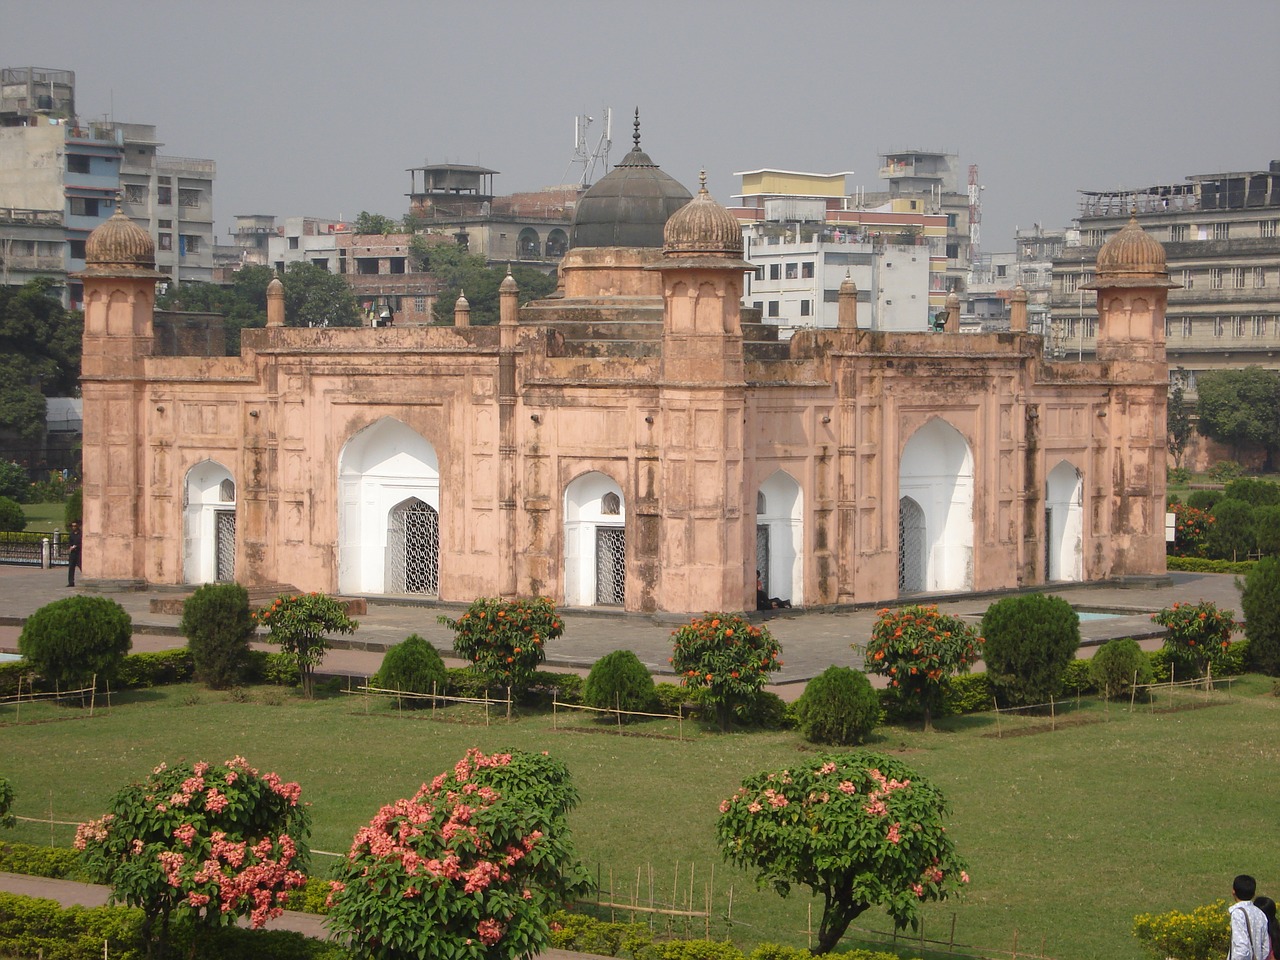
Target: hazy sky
(318, 108)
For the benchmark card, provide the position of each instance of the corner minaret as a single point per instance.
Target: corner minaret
(1133, 291)
(119, 302)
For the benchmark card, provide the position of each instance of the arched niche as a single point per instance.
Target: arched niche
(595, 545)
(936, 472)
(780, 537)
(1064, 523)
(208, 524)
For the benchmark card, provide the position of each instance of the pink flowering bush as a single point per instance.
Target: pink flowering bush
(207, 842)
(504, 640)
(858, 829)
(1199, 634)
(467, 868)
(728, 657)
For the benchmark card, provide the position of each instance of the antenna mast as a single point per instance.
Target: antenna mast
(584, 154)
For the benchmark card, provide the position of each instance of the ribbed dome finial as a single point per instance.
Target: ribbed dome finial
(702, 226)
(1132, 258)
(119, 247)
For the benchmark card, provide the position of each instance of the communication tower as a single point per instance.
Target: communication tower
(585, 155)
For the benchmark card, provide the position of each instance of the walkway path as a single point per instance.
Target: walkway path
(811, 640)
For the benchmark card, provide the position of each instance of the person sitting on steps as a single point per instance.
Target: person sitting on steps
(766, 602)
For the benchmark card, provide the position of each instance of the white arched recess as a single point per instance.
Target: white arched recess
(384, 470)
(1064, 524)
(209, 524)
(936, 472)
(781, 515)
(595, 518)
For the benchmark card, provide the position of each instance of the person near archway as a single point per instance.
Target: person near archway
(766, 602)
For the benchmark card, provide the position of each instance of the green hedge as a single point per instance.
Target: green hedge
(1201, 565)
(31, 927)
(58, 863)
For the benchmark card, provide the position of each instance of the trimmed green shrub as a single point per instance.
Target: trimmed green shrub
(312, 898)
(764, 711)
(69, 641)
(689, 950)
(673, 699)
(12, 519)
(1203, 499)
(1225, 470)
(32, 926)
(1230, 536)
(1266, 529)
(1202, 565)
(1254, 491)
(155, 669)
(1030, 640)
(281, 669)
(546, 684)
(218, 625)
(6, 803)
(1260, 601)
(619, 681)
(838, 707)
(412, 666)
(966, 693)
(1118, 667)
(74, 509)
(57, 863)
(585, 934)
(1077, 680)
(1202, 934)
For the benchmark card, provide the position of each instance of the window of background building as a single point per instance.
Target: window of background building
(1268, 228)
(396, 264)
(775, 271)
(1237, 326)
(166, 241)
(1069, 282)
(419, 304)
(1177, 232)
(367, 265)
(164, 196)
(1215, 278)
(84, 206)
(75, 249)
(1188, 280)
(773, 308)
(806, 270)
(293, 243)
(77, 163)
(1222, 231)
(190, 244)
(165, 224)
(1260, 325)
(135, 193)
(321, 262)
(806, 308)
(1090, 329)
(758, 305)
(1218, 326)
(188, 197)
(1237, 278)
(760, 272)
(1186, 326)
(793, 271)
(1259, 276)
(953, 251)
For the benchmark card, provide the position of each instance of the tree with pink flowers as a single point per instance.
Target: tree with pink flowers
(467, 868)
(210, 843)
(858, 829)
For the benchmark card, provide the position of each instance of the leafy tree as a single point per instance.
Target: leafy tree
(1240, 407)
(6, 803)
(300, 626)
(314, 297)
(1179, 423)
(14, 483)
(504, 640)
(467, 868)
(727, 657)
(1266, 530)
(243, 303)
(204, 842)
(374, 223)
(1260, 601)
(1254, 491)
(69, 641)
(39, 355)
(919, 650)
(1029, 641)
(460, 271)
(12, 518)
(858, 829)
(1230, 536)
(218, 625)
(838, 707)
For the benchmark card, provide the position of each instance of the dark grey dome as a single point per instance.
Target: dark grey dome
(629, 206)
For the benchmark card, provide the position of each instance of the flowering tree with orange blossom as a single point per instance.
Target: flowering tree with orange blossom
(727, 656)
(505, 640)
(919, 649)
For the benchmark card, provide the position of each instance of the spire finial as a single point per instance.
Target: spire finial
(702, 180)
(635, 136)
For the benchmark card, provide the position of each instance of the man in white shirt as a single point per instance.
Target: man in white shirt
(1249, 940)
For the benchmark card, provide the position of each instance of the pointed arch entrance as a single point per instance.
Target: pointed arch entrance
(780, 537)
(913, 551)
(388, 512)
(936, 474)
(1064, 524)
(209, 524)
(595, 542)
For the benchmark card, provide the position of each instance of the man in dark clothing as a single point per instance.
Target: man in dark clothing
(73, 554)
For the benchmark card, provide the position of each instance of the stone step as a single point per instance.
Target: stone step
(260, 594)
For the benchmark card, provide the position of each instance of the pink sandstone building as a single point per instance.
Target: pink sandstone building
(639, 440)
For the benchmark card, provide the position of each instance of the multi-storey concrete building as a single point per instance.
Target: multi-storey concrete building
(1222, 235)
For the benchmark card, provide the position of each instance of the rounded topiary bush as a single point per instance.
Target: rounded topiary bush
(412, 666)
(619, 681)
(1118, 666)
(839, 707)
(218, 625)
(12, 519)
(69, 641)
(1260, 600)
(1203, 499)
(1030, 640)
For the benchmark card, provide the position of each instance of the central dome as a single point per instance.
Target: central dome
(630, 205)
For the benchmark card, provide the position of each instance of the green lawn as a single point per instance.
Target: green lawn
(45, 517)
(1069, 834)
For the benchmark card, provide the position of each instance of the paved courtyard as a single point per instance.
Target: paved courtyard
(811, 640)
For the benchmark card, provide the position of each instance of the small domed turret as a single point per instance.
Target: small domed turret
(702, 226)
(119, 247)
(1132, 258)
